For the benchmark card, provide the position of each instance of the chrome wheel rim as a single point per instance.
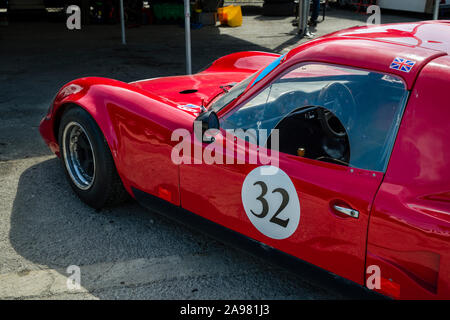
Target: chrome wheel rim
(78, 155)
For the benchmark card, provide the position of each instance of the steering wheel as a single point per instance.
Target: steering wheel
(338, 102)
(283, 104)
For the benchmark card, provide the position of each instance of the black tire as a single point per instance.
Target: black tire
(106, 188)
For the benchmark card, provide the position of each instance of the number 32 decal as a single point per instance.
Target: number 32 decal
(265, 204)
(271, 202)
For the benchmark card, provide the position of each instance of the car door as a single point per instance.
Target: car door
(312, 197)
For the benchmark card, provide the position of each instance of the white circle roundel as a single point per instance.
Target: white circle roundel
(271, 202)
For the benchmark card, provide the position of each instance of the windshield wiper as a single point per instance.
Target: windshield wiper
(226, 87)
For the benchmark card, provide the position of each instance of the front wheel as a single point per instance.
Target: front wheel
(88, 162)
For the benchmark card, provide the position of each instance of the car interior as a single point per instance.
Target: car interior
(341, 119)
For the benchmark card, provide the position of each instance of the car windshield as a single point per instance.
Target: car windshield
(328, 113)
(234, 92)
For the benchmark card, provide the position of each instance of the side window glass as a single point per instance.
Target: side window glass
(329, 113)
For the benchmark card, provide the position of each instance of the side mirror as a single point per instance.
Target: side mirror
(209, 121)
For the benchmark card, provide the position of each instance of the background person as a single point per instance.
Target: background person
(315, 13)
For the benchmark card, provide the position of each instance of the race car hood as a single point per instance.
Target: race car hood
(191, 89)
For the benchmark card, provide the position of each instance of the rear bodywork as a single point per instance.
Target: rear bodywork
(408, 220)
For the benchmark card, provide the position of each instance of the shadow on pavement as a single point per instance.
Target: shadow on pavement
(37, 58)
(52, 228)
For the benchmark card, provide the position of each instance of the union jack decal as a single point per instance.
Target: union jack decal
(402, 64)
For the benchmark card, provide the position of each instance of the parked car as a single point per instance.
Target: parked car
(361, 182)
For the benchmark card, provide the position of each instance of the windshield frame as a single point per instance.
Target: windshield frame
(251, 81)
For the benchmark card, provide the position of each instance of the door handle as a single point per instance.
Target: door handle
(347, 211)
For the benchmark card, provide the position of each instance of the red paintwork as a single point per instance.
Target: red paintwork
(326, 240)
(229, 69)
(420, 34)
(410, 223)
(404, 223)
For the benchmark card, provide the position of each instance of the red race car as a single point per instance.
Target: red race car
(334, 154)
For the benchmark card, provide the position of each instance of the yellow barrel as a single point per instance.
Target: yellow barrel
(230, 15)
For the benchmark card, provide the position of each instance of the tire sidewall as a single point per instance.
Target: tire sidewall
(95, 195)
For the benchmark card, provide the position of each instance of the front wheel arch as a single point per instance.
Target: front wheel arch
(58, 115)
(108, 188)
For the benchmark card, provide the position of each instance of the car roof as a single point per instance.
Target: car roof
(377, 47)
(433, 35)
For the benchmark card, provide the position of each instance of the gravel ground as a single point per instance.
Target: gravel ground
(126, 252)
